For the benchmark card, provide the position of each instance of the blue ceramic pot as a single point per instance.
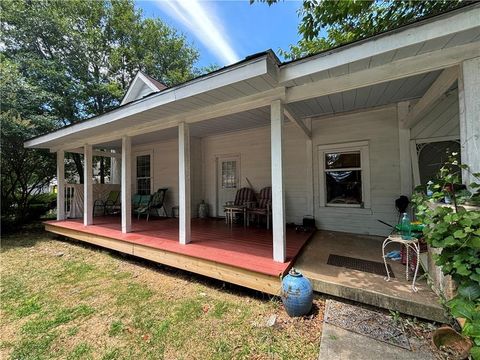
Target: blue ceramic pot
(297, 294)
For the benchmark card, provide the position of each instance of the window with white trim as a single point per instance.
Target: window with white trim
(344, 175)
(143, 173)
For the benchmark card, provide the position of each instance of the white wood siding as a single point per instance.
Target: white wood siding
(165, 171)
(441, 121)
(253, 146)
(380, 128)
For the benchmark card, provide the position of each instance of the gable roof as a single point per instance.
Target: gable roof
(141, 85)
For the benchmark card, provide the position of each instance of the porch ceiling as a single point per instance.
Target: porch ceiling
(370, 96)
(239, 121)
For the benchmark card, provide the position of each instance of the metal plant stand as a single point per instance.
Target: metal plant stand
(409, 244)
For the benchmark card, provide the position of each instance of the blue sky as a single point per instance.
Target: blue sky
(227, 31)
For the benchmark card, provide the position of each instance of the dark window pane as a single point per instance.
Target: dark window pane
(344, 187)
(143, 166)
(342, 160)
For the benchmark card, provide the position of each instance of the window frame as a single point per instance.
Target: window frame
(136, 155)
(358, 146)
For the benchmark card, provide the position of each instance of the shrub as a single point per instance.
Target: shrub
(456, 231)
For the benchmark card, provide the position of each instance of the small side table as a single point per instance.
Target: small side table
(231, 210)
(409, 244)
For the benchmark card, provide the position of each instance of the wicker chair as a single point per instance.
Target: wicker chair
(264, 206)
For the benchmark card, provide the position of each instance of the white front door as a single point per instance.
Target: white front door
(228, 174)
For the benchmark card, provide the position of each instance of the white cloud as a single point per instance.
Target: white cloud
(200, 19)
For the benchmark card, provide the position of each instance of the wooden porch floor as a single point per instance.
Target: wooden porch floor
(234, 254)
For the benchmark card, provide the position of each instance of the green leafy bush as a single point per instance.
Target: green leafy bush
(455, 229)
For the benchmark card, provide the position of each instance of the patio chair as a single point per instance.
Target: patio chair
(157, 202)
(140, 201)
(264, 206)
(110, 205)
(244, 197)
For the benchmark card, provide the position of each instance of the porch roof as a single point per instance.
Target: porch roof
(419, 48)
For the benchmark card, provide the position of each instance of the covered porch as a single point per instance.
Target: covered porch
(238, 255)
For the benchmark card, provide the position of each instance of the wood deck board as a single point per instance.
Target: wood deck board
(249, 249)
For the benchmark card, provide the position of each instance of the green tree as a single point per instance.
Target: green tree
(326, 24)
(86, 52)
(25, 113)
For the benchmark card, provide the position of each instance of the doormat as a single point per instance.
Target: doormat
(368, 266)
(375, 325)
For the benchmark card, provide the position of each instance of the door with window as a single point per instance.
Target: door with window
(228, 175)
(143, 173)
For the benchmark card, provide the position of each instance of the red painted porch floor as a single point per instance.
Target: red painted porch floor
(247, 248)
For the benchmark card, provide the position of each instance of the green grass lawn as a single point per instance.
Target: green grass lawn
(65, 300)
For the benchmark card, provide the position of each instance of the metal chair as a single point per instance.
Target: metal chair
(156, 202)
(110, 204)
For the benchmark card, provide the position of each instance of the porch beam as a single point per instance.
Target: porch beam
(298, 122)
(278, 199)
(469, 112)
(87, 185)
(60, 185)
(246, 103)
(97, 153)
(394, 70)
(439, 87)
(126, 184)
(184, 183)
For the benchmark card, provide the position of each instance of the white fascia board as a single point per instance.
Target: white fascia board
(246, 70)
(436, 27)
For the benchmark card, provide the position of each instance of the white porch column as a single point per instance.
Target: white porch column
(185, 210)
(278, 200)
(126, 187)
(406, 185)
(309, 170)
(87, 186)
(469, 103)
(60, 185)
(115, 169)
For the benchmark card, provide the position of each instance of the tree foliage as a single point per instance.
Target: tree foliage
(24, 114)
(325, 24)
(71, 60)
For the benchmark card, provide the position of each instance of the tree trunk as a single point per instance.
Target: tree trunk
(79, 166)
(102, 170)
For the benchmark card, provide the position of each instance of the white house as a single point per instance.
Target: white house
(338, 135)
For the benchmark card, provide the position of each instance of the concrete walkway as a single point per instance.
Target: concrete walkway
(340, 344)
